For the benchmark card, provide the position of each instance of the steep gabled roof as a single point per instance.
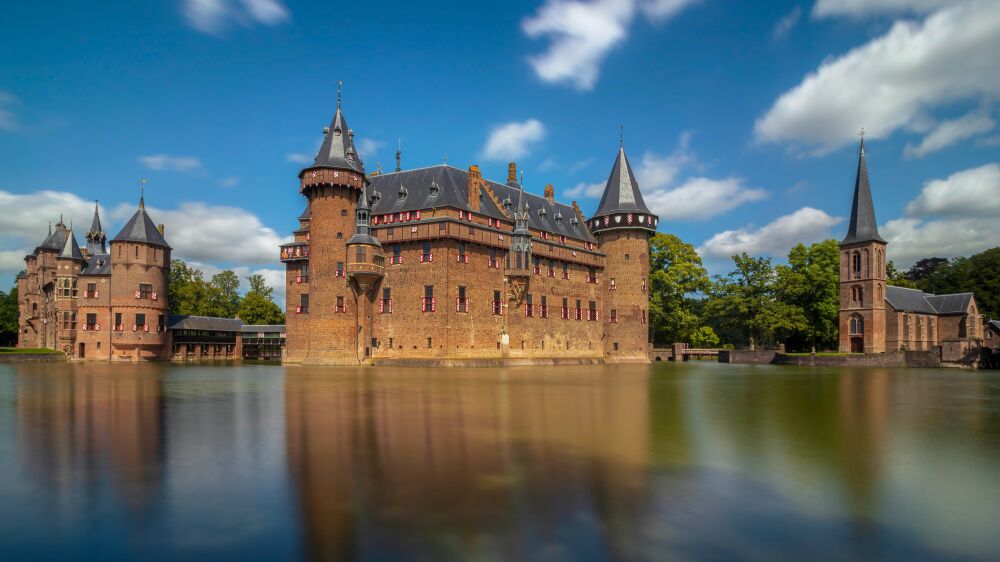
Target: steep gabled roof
(621, 193)
(915, 300)
(208, 323)
(70, 249)
(338, 149)
(863, 226)
(140, 228)
(56, 238)
(957, 303)
(98, 264)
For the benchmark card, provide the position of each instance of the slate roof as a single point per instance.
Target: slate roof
(621, 193)
(140, 228)
(863, 227)
(915, 300)
(185, 322)
(995, 324)
(338, 149)
(98, 264)
(452, 190)
(254, 328)
(70, 249)
(306, 213)
(362, 228)
(56, 239)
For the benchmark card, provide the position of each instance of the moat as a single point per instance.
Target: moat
(696, 461)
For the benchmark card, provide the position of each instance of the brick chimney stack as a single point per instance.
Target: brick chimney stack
(512, 173)
(475, 180)
(550, 194)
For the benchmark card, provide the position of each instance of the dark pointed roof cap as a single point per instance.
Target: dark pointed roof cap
(140, 228)
(621, 194)
(70, 249)
(95, 225)
(338, 149)
(56, 238)
(863, 227)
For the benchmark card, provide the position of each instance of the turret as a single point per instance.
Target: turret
(862, 271)
(623, 225)
(520, 240)
(96, 237)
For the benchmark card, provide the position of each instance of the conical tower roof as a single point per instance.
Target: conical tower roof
(621, 193)
(96, 235)
(863, 226)
(70, 249)
(338, 149)
(140, 228)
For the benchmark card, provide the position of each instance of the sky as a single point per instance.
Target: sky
(741, 119)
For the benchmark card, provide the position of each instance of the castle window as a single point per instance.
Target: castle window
(385, 305)
(340, 235)
(462, 257)
(397, 254)
(642, 318)
(340, 305)
(493, 259)
(858, 325)
(626, 257)
(303, 307)
(461, 303)
(145, 291)
(118, 321)
(426, 256)
(160, 325)
(565, 272)
(565, 309)
(536, 266)
(643, 284)
(304, 273)
(91, 292)
(428, 303)
(544, 307)
(140, 321)
(579, 310)
(529, 310)
(592, 311)
(591, 275)
(362, 254)
(552, 271)
(91, 321)
(340, 269)
(614, 316)
(136, 250)
(343, 212)
(442, 226)
(497, 304)
(613, 285)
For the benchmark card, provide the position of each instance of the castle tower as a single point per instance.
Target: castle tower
(140, 262)
(365, 271)
(623, 226)
(320, 326)
(862, 272)
(69, 263)
(96, 237)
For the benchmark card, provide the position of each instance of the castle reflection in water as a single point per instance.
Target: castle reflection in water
(589, 463)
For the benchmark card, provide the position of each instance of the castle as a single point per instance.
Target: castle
(439, 264)
(96, 304)
(876, 317)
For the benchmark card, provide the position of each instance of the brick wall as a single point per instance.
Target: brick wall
(626, 339)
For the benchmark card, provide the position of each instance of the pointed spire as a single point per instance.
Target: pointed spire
(863, 226)
(399, 154)
(621, 193)
(338, 149)
(96, 237)
(142, 193)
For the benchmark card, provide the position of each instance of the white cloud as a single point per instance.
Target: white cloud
(25, 216)
(511, 140)
(948, 133)
(786, 24)
(368, 147)
(229, 182)
(584, 189)
(166, 162)
(863, 8)
(214, 16)
(807, 225)
(972, 192)
(911, 239)
(8, 119)
(892, 82)
(702, 198)
(988, 142)
(299, 158)
(582, 33)
(655, 171)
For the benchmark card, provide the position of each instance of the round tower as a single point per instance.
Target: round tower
(140, 262)
(623, 225)
(365, 271)
(321, 327)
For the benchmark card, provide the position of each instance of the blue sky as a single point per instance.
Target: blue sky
(741, 119)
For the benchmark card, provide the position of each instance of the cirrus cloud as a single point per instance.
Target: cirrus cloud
(512, 140)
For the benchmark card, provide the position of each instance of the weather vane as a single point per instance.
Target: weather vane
(621, 136)
(142, 192)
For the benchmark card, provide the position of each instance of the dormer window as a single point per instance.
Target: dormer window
(337, 132)
(435, 188)
(542, 212)
(558, 216)
(507, 203)
(402, 192)
(573, 221)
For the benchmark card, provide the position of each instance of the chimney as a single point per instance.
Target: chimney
(475, 179)
(512, 172)
(160, 228)
(550, 193)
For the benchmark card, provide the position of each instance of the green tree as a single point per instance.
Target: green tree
(897, 278)
(809, 287)
(676, 274)
(920, 272)
(979, 274)
(188, 291)
(224, 295)
(704, 338)
(258, 306)
(744, 303)
(8, 318)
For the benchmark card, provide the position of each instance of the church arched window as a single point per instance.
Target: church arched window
(857, 325)
(856, 265)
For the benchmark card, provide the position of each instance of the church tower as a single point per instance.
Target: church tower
(862, 272)
(320, 325)
(623, 226)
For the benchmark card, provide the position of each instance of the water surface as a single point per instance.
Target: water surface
(662, 462)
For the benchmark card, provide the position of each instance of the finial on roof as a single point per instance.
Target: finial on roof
(445, 158)
(142, 193)
(861, 150)
(399, 153)
(50, 228)
(522, 178)
(621, 136)
(60, 220)
(340, 84)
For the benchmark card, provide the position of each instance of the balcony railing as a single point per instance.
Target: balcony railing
(356, 268)
(294, 252)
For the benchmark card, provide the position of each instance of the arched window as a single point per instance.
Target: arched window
(867, 262)
(857, 295)
(857, 325)
(856, 265)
